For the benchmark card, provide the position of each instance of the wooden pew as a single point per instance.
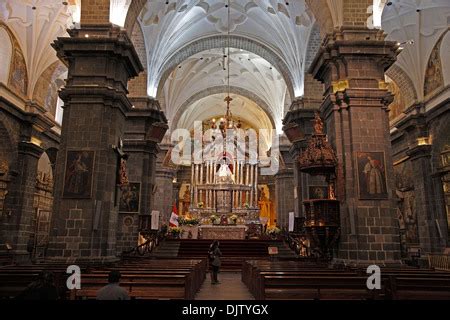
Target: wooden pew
(288, 280)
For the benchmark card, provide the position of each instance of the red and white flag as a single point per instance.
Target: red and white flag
(173, 222)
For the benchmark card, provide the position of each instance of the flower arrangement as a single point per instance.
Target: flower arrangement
(175, 231)
(234, 218)
(188, 221)
(214, 219)
(273, 230)
(246, 205)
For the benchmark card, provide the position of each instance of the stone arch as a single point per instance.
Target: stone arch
(45, 166)
(223, 89)
(137, 86)
(52, 153)
(134, 10)
(404, 82)
(321, 12)
(219, 41)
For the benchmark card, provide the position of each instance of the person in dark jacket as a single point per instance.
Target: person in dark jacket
(42, 289)
(214, 261)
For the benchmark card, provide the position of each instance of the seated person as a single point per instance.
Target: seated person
(113, 291)
(42, 289)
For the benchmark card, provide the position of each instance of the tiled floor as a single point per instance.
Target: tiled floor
(230, 288)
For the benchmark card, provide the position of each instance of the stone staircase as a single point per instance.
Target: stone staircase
(234, 252)
(166, 249)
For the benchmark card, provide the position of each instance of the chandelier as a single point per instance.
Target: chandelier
(226, 121)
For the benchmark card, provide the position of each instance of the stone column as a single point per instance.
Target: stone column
(23, 193)
(284, 195)
(101, 60)
(20, 213)
(164, 196)
(426, 208)
(351, 64)
(145, 127)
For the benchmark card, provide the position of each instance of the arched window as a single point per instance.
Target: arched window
(5, 55)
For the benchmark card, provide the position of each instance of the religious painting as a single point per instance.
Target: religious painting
(130, 198)
(433, 74)
(399, 103)
(127, 225)
(78, 174)
(371, 175)
(184, 197)
(318, 192)
(18, 78)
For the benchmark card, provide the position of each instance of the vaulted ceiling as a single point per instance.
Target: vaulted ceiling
(423, 22)
(36, 24)
(267, 59)
(183, 46)
(170, 26)
(206, 73)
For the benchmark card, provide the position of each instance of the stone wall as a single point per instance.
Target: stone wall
(23, 196)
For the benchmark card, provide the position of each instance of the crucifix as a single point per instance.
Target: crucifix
(121, 176)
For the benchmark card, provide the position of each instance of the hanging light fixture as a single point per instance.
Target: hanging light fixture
(226, 122)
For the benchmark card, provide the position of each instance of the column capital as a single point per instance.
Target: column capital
(419, 151)
(100, 55)
(354, 57)
(147, 123)
(30, 148)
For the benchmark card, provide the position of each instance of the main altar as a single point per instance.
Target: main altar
(220, 232)
(225, 188)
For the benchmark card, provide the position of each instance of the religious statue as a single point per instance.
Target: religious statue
(318, 124)
(123, 177)
(3, 167)
(186, 200)
(263, 196)
(304, 246)
(331, 193)
(224, 174)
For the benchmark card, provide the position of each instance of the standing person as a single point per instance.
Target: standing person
(214, 261)
(30, 246)
(113, 291)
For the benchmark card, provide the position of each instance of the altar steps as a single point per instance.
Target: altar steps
(166, 249)
(234, 252)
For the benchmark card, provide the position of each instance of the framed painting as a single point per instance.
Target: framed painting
(371, 168)
(130, 198)
(318, 192)
(78, 174)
